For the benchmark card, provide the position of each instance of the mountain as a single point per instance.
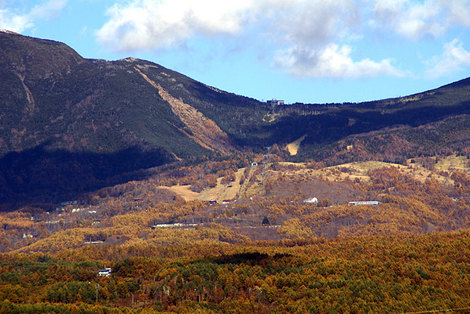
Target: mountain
(54, 96)
(70, 124)
(428, 123)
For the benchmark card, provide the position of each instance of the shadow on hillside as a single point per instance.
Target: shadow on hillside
(332, 126)
(44, 176)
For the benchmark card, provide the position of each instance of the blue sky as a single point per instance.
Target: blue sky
(311, 51)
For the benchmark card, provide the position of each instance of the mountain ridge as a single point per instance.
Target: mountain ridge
(85, 114)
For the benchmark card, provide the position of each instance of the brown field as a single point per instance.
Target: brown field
(219, 193)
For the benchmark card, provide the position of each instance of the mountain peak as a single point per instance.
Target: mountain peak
(36, 58)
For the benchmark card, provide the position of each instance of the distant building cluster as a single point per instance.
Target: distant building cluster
(275, 102)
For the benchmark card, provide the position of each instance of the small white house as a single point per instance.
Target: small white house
(312, 200)
(104, 272)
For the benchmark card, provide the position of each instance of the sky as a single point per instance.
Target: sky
(310, 51)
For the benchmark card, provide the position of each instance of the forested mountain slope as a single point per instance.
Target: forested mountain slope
(70, 124)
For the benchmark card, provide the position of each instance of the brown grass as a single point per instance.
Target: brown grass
(219, 193)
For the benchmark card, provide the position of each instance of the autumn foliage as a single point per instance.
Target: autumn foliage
(270, 252)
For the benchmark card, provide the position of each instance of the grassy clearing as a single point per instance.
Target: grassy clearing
(219, 193)
(453, 163)
(351, 171)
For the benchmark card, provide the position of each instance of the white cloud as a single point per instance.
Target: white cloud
(310, 23)
(458, 12)
(145, 24)
(47, 10)
(332, 61)
(409, 18)
(453, 58)
(19, 22)
(416, 19)
(12, 22)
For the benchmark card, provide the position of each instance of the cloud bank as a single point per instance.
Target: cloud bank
(305, 38)
(312, 38)
(303, 30)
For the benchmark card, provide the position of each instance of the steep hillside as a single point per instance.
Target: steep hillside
(53, 96)
(70, 124)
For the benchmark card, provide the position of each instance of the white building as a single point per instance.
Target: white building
(275, 102)
(104, 272)
(364, 203)
(312, 200)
